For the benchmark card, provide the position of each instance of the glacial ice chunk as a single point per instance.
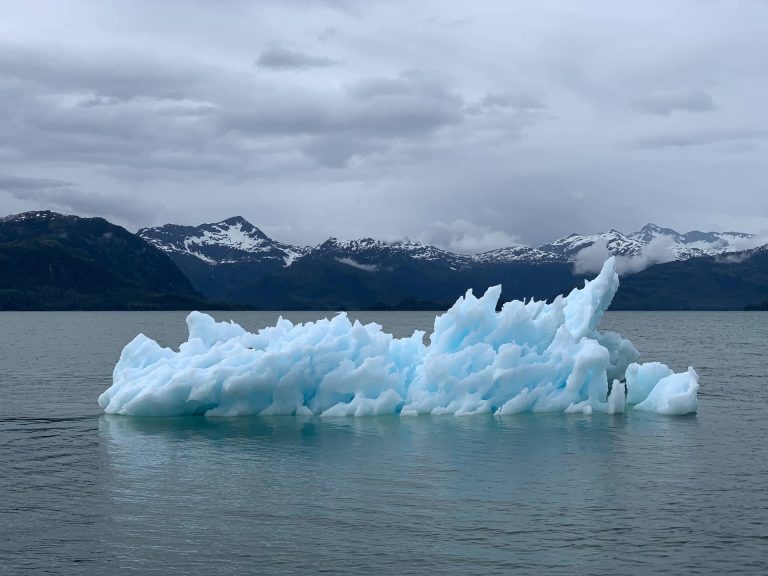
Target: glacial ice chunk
(642, 378)
(673, 394)
(528, 357)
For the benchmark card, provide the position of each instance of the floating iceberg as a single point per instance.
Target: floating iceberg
(528, 357)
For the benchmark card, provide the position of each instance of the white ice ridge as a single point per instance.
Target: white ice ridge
(528, 357)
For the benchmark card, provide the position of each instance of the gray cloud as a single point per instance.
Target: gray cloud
(369, 108)
(465, 237)
(665, 103)
(701, 138)
(339, 151)
(517, 125)
(114, 76)
(18, 185)
(64, 196)
(369, 116)
(279, 58)
(516, 100)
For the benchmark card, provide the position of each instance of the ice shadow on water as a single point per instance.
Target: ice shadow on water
(515, 434)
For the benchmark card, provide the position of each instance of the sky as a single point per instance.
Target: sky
(471, 125)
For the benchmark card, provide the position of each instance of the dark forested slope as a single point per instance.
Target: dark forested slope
(49, 261)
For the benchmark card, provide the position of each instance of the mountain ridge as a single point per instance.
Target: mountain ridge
(366, 272)
(235, 240)
(55, 261)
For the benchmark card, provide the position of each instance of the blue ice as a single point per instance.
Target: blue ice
(528, 357)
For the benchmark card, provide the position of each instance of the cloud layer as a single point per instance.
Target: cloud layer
(665, 104)
(464, 237)
(504, 122)
(280, 58)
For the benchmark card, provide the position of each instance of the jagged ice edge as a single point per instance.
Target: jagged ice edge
(528, 357)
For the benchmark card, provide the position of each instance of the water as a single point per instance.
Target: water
(83, 493)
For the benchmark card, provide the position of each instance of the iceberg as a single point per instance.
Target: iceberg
(530, 356)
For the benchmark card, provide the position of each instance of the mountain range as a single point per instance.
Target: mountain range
(237, 241)
(52, 261)
(676, 245)
(233, 260)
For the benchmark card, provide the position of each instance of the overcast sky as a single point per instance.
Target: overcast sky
(471, 125)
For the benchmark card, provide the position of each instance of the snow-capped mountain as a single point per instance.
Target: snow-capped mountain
(230, 241)
(694, 243)
(46, 257)
(678, 246)
(518, 254)
(368, 252)
(650, 232)
(237, 241)
(617, 243)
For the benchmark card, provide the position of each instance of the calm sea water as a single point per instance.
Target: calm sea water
(83, 493)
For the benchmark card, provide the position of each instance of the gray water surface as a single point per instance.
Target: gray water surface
(84, 493)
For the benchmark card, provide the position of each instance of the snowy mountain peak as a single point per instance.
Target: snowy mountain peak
(236, 221)
(649, 232)
(237, 229)
(368, 243)
(655, 229)
(518, 254)
(616, 242)
(372, 250)
(678, 246)
(234, 240)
